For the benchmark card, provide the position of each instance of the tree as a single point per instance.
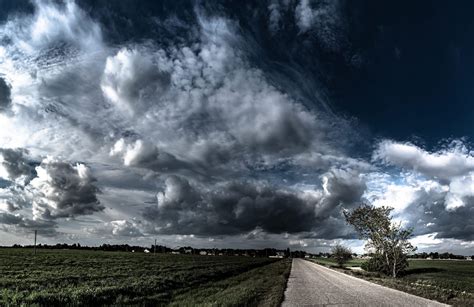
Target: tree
(341, 254)
(388, 240)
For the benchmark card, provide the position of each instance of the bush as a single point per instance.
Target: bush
(378, 264)
(341, 254)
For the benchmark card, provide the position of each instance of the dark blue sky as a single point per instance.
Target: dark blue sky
(417, 72)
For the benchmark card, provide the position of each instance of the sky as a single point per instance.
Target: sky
(235, 124)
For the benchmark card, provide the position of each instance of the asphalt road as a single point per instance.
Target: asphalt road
(311, 284)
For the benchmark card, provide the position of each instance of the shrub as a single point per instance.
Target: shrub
(341, 254)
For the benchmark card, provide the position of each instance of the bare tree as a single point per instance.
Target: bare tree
(387, 239)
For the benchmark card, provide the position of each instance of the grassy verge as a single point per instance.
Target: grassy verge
(263, 286)
(330, 262)
(446, 281)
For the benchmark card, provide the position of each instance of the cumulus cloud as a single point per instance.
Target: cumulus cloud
(54, 23)
(145, 155)
(16, 166)
(445, 164)
(452, 167)
(428, 214)
(63, 190)
(132, 80)
(242, 206)
(229, 208)
(424, 204)
(118, 228)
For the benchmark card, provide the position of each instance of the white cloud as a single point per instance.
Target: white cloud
(132, 79)
(53, 23)
(446, 164)
(117, 228)
(322, 18)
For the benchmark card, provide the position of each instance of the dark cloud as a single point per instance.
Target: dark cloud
(20, 224)
(17, 164)
(238, 207)
(5, 95)
(342, 190)
(428, 214)
(64, 190)
(229, 208)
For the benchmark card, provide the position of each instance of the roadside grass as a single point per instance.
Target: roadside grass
(74, 277)
(330, 262)
(262, 286)
(446, 281)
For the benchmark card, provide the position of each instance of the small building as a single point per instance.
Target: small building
(203, 253)
(146, 251)
(469, 258)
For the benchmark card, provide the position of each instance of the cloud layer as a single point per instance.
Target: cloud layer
(181, 133)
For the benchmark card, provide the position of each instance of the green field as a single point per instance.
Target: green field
(448, 281)
(72, 277)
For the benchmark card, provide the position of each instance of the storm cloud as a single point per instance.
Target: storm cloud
(63, 190)
(242, 206)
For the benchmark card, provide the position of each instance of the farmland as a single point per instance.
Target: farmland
(448, 281)
(66, 277)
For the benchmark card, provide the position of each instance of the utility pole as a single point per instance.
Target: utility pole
(35, 241)
(154, 248)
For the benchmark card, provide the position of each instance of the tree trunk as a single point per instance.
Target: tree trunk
(394, 269)
(394, 272)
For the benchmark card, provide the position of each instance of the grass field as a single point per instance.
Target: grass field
(115, 278)
(447, 281)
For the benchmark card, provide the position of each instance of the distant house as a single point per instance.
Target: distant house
(203, 253)
(306, 256)
(469, 258)
(275, 256)
(175, 252)
(188, 251)
(146, 251)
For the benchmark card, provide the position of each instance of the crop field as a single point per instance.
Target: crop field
(447, 281)
(73, 277)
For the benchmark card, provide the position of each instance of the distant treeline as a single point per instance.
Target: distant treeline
(436, 255)
(266, 252)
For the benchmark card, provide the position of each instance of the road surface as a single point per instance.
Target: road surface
(311, 284)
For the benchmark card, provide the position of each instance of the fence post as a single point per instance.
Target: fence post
(35, 241)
